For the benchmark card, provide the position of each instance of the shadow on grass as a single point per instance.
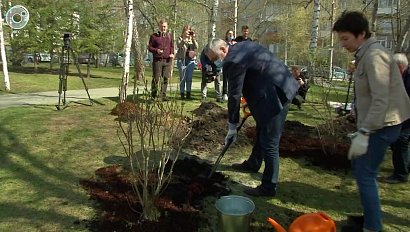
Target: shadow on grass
(36, 183)
(30, 70)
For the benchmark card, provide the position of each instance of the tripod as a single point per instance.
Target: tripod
(63, 74)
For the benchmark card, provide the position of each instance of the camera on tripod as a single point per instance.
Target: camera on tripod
(209, 74)
(66, 50)
(66, 40)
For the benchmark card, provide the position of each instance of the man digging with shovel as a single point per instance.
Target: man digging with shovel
(268, 87)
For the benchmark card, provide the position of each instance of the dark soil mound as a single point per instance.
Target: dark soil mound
(325, 146)
(179, 204)
(209, 129)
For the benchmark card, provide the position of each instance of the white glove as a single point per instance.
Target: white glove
(232, 133)
(359, 143)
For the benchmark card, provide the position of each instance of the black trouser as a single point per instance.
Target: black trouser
(160, 68)
(224, 85)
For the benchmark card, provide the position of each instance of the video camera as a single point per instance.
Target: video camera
(66, 40)
(209, 74)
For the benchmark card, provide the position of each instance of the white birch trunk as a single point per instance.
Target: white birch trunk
(235, 18)
(3, 54)
(374, 18)
(403, 36)
(127, 52)
(214, 17)
(315, 26)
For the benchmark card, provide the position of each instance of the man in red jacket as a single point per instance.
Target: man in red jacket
(161, 45)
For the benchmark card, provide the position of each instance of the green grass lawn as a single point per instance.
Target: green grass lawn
(44, 153)
(25, 79)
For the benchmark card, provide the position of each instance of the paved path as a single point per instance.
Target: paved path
(51, 97)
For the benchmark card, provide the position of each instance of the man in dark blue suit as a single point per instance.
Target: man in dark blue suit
(268, 87)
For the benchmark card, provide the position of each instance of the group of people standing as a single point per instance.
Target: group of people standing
(381, 104)
(382, 110)
(161, 45)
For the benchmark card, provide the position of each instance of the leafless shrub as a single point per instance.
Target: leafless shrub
(152, 133)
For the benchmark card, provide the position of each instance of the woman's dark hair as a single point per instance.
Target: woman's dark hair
(184, 29)
(226, 34)
(354, 22)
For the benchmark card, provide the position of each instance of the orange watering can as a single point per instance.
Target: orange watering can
(311, 222)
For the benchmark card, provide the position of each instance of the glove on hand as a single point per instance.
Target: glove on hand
(359, 143)
(232, 133)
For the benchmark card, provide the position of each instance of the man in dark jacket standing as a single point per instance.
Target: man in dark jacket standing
(211, 72)
(161, 45)
(400, 148)
(268, 87)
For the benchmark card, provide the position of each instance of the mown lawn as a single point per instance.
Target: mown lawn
(26, 79)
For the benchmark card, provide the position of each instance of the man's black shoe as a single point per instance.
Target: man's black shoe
(354, 224)
(356, 219)
(350, 228)
(392, 180)
(243, 167)
(259, 192)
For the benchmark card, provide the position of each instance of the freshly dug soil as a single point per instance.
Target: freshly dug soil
(325, 146)
(209, 129)
(180, 202)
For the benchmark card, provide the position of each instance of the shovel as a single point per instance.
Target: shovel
(246, 114)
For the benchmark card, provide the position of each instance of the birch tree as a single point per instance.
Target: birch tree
(314, 32)
(403, 35)
(3, 53)
(214, 17)
(127, 51)
(402, 31)
(374, 18)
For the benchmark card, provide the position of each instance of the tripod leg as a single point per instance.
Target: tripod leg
(81, 76)
(65, 82)
(348, 93)
(62, 86)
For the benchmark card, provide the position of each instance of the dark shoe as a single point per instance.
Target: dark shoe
(356, 219)
(188, 96)
(392, 180)
(182, 96)
(300, 98)
(354, 224)
(219, 100)
(243, 167)
(164, 98)
(350, 228)
(259, 192)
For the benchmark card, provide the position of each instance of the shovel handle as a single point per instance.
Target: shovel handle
(218, 160)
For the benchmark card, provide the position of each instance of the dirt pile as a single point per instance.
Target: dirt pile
(325, 145)
(209, 129)
(179, 204)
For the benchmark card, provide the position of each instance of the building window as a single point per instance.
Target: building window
(385, 43)
(384, 26)
(274, 48)
(387, 3)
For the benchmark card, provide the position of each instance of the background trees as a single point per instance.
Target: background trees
(99, 26)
